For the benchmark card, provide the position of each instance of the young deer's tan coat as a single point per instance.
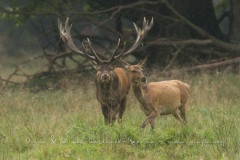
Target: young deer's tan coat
(159, 98)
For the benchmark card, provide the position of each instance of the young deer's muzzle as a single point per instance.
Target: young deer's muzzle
(144, 79)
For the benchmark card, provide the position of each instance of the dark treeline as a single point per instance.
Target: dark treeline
(186, 33)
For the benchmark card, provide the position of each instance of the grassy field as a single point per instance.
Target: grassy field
(68, 124)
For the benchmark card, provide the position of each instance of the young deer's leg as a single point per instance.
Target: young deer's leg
(183, 110)
(152, 123)
(176, 114)
(150, 119)
(122, 109)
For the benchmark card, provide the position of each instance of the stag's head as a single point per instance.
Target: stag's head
(105, 73)
(104, 67)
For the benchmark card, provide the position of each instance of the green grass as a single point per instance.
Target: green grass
(69, 125)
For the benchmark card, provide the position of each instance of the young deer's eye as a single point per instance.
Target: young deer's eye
(133, 71)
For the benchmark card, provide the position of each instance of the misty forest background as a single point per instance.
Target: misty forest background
(187, 36)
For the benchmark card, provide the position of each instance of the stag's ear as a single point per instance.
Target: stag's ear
(142, 62)
(95, 65)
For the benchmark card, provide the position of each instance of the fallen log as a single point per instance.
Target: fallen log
(212, 65)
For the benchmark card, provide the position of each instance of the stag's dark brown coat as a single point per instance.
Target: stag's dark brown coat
(112, 94)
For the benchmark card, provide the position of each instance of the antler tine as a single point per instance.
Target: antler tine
(94, 53)
(121, 53)
(115, 51)
(65, 35)
(146, 25)
(67, 26)
(84, 50)
(141, 33)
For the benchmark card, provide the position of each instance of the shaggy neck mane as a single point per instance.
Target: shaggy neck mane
(106, 90)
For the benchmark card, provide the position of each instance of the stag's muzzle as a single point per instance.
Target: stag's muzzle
(105, 77)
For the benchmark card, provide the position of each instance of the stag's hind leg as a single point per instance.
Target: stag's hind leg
(122, 109)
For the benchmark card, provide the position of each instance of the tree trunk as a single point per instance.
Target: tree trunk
(202, 14)
(235, 6)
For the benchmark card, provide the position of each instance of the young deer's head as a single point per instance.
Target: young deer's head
(136, 72)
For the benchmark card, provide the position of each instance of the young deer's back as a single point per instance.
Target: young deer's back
(164, 97)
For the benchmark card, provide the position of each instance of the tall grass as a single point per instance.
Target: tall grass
(69, 125)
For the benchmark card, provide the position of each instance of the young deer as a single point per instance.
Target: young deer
(159, 98)
(112, 84)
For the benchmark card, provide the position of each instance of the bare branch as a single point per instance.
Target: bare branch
(176, 53)
(212, 65)
(121, 7)
(227, 46)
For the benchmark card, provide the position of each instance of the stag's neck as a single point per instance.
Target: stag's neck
(106, 93)
(105, 90)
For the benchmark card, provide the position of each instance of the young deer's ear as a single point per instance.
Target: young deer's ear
(141, 63)
(124, 63)
(126, 67)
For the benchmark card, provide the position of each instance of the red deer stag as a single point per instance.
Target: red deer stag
(112, 84)
(159, 98)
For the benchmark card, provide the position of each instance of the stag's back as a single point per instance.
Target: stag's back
(124, 80)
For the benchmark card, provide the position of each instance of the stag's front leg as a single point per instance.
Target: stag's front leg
(106, 111)
(150, 119)
(114, 112)
(122, 109)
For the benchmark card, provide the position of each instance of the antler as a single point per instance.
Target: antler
(141, 33)
(65, 35)
(115, 57)
(97, 59)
